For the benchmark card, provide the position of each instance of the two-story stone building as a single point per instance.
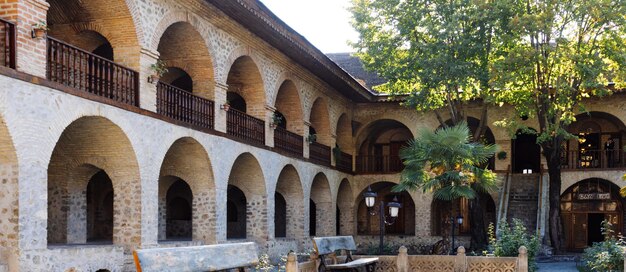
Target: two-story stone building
(99, 157)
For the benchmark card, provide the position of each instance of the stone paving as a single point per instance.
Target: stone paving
(557, 266)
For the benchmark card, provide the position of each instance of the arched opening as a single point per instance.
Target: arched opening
(9, 190)
(526, 153)
(289, 106)
(186, 193)
(442, 212)
(236, 101)
(247, 191)
(290, 188)
(81, 162)
(320, 122)
(599, 144)
(244, 79)
(72, 21)
(321, 221)
(280, 216)
(344, 134)
(584, 206)
(345, 209)
(369, 225)
(100, 208)
(379, 147)
(178, 211)
(190, 68)
(236, 213)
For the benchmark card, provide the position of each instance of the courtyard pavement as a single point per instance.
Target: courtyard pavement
(557, 266)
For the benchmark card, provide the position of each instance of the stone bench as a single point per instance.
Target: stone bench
(327, 246)
(197, 258)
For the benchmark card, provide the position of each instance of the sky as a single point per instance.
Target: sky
(324, 23)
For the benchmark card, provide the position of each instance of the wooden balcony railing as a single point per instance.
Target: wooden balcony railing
(593, 159)
(319, 153)
(77, 68)
(245, 127)
(344, 162)
(183, 106)
(288, 141)
(7, 44)
(378, 164)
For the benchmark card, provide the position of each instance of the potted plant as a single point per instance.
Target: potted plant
(312, 138)
(226, 105)
(40, 29)
(277, 119)
(159, 68)
(501, 155)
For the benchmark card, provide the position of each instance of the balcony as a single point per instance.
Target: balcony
(319, 153)
(344, 162)
(288, 141)
(183, 106)
(592, 159)
(7, 44)
(82, 70)
(378, 164)
(245, 127)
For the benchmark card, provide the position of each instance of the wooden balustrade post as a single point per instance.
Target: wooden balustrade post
(522, 259)
(292, 263)
(460, 260)
(402, 262)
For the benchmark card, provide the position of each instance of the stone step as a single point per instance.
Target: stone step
(573, 257)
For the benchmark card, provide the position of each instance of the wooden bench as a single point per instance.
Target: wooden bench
(327, 246)
(197, 258)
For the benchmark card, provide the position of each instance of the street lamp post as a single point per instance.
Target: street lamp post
(459, 220)
(394, 208)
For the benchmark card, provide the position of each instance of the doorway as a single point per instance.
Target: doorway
(594, 231)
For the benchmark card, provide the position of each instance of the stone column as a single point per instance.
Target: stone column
(220, 98)
(31, 52)
(147, 90)
(305, 135)
(333, 144)
(269, 131)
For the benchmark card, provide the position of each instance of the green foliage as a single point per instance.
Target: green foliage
(159, 68)
(446, 163)
(511, 238)
(606, 255)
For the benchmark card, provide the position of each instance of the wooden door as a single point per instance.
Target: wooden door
(579, 230)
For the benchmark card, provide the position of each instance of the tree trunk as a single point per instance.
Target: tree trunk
(477, 224)
(555, 228)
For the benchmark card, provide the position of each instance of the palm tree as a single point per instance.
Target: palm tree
(446, 163)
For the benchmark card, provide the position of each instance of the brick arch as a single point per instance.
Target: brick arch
(367, 224)
(188, 160)
(344, 133)
(245, 78)
(87, 145)
(246, 175)
(322, 196)
(320, 120)
(9, 172)
(289, 185)
(288, 102)
(345, 206)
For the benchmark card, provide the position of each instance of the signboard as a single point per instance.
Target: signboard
(594, 196)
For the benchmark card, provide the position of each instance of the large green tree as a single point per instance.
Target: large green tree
(558, 54)
(437, 53)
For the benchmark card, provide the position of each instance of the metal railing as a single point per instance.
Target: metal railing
(378, 164)
(8, 44)
(344, 162)
(592, 159)
(182, 105)
(85, 71)
(245, 127)
(288, 141)
(319, 153)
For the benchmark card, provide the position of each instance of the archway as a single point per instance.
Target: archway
(247, 193)
(600, 142)
(289, 106)
(9, 171)
(320, 122)
(84, 149)
(379, 147)
(186, 178)
(369, 225)
(244, 79)
(584, 206)
(442, 211)
(321, 223)
(289, 187)
(345, 208)
(344, 134)
(100, 208)
(526, 153)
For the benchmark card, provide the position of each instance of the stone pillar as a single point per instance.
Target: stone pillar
(305, 135)
(402, 262)
(77, 216)
(269, 131)
(147, 90)
(333, 144)
(220, 98)
(31, 52)
(292, 263)
(460, 264)
(522, 259)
